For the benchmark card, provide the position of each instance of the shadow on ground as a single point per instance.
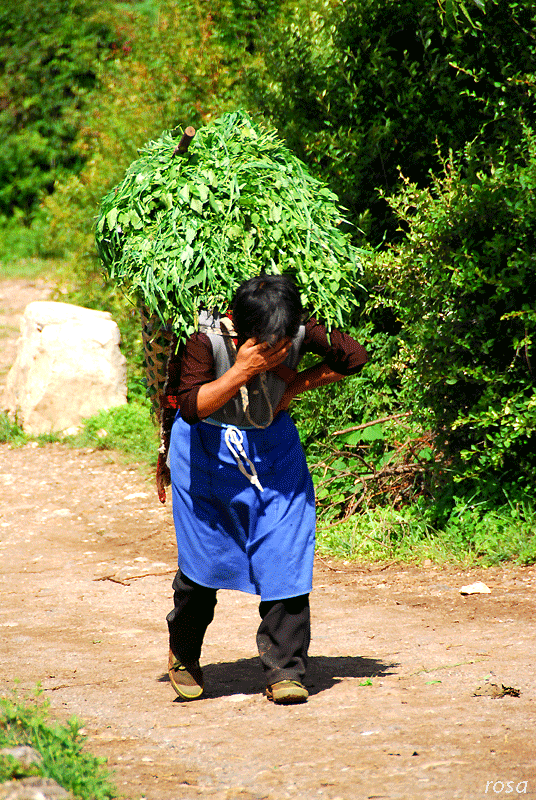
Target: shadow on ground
(244, 676)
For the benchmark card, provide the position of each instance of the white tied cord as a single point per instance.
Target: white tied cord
(234, 438)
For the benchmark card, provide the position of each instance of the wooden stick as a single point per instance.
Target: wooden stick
(186, 138)
(372, 422)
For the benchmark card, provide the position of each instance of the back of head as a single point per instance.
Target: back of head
(268, 308)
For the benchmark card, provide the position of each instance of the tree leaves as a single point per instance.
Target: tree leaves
(461, 283)
(49, 62)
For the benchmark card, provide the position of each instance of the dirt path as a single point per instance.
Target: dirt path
(87, 556)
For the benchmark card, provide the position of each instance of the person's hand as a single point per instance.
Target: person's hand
(163, 477)
(254, 357)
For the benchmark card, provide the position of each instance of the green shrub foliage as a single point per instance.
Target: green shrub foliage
(48, 57)
(360, 89)
(186, 230)
(462, 286)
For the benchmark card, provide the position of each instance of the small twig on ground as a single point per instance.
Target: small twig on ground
(133, 577)
(325, 563)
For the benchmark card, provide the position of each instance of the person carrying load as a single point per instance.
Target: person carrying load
(243, 498)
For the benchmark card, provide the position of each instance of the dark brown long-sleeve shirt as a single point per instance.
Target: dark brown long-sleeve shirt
(193, 365)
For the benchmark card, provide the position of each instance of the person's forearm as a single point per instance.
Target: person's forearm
(252, 358)
(313, 378)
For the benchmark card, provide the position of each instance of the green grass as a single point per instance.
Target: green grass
(130, 430)
(18, 240)
(26, 268)
(20, 251)
(26, 721)
(11, 433)
(383, 534)
(472, 536)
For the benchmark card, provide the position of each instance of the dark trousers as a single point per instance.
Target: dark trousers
(282, 638)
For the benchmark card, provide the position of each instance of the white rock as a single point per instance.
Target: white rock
(475, 588)
(237, 698)
(25, 755)
(68, 367)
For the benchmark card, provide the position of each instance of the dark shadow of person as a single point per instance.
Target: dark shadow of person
(245, 675)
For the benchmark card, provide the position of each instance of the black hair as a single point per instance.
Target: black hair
(268, 308)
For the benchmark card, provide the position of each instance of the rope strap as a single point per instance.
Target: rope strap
(234, 438)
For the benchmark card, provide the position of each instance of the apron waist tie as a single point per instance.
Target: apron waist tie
(234, 438)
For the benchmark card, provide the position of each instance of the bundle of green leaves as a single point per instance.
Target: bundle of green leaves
(182, 231)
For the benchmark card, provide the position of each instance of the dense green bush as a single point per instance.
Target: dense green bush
(461, 284)
(362, 88)
(179, 65)
(239, 24)
(49, 53)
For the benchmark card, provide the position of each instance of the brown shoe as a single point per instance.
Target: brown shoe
(186, 679)
(287, 693)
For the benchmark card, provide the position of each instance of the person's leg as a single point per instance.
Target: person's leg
(283, 641)
(187, 623)
(280, 548)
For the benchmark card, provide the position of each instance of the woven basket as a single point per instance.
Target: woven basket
(156, 349)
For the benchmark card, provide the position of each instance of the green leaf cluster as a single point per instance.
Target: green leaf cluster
(183, 231)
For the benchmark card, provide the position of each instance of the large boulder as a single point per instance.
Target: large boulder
(68, 367)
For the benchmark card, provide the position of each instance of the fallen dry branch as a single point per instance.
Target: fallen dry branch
(369, 424)
(125, 581)
(402, 469)
(401, 477)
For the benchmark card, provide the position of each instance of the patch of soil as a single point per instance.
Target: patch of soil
(87, 556)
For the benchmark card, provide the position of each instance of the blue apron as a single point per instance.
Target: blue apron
(230, 534)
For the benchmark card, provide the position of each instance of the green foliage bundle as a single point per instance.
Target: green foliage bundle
(49, 53)
(360, 89)
(183, 231)
(461, 284)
